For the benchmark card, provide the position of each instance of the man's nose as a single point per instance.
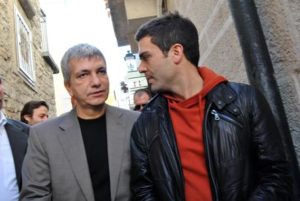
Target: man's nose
(95, 79)
(142, 68)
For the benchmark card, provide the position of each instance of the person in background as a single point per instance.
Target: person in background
(201, 137)
(140, 98)
(34, 112)
(83, 154)
(13, 143)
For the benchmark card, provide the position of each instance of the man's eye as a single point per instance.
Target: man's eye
(102, 71)
(82, 75)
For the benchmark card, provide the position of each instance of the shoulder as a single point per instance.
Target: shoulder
(228, 91)
(56, 122)
(116, 111)
(22, 127)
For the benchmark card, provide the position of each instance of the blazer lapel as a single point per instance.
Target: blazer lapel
(115, 144)
(73, 146)
(18, 144)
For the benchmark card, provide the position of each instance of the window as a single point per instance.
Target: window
(24, 49)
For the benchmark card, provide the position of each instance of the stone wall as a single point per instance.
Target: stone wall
(280, 21)
(220, 48)
(17, 90)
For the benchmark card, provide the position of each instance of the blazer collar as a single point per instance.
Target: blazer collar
(73, 146)
(72, 143)
(116, 142)
(17, 137)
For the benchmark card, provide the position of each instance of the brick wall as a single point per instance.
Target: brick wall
(17, 91)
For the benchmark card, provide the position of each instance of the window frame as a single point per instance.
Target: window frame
(24, 48)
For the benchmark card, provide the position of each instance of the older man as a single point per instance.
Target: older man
(82, 155)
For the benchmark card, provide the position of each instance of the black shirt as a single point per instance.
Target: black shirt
(95, 142)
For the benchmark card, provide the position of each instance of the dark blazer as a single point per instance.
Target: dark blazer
(17, 133)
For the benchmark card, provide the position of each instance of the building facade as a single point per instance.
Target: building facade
(26, 65)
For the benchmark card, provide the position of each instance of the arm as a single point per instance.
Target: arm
(273, 180)
(141, 179)
(35, 172)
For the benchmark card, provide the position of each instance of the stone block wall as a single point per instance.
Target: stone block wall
(17, 90)
(220, 48)
(280, 20)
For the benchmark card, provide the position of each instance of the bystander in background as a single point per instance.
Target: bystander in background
(140, 98)
(34, 112)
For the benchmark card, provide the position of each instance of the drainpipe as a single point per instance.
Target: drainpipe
(261, 74)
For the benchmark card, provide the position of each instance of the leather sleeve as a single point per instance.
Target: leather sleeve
(274, 182)
(141, 180)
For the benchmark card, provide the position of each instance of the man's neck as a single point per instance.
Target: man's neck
(188, 84)
(90, 113)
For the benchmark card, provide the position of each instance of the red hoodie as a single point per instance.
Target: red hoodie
(187, 119)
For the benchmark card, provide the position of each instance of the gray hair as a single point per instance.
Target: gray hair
(78, 52)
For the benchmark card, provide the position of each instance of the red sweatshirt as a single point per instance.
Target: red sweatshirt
(187, 119)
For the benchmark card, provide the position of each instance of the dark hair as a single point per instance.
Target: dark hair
(170, 29)
(29, 107)
(145, 90)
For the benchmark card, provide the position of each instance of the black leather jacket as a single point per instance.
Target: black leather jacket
(244, 154)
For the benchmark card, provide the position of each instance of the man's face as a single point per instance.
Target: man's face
(1, 94)
(89, 84)
(140, 101)
(156, 66)
(39, 114)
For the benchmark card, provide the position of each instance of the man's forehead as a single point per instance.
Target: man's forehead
(88, 58)
(77, 61)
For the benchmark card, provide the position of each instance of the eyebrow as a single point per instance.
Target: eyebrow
(143, 55)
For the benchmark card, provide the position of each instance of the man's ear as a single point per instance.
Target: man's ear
(177, 53)
(27, 117)
(68, 88)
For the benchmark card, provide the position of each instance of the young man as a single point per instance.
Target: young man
(34, 112)
(201, 137)
(140, 98)
(83, 154)
(13, 143)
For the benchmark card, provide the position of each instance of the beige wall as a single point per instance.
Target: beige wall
(17, 91)
(134, 8)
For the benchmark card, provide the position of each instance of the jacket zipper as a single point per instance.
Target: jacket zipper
(211, 171)
(218, 116)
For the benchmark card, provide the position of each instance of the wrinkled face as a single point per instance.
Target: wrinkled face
(89, 84)
(156, 66)
(39, 114)
(140, 101)
(1, 93)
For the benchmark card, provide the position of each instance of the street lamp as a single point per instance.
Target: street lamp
(130, 61)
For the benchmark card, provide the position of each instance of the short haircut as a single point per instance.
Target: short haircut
(142, 91)
(29, 107)
(170, 29)
(78, 52)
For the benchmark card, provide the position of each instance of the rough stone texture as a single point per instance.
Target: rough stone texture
(221, 50)
(17, 91)
(280, 22)
(219, 45)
